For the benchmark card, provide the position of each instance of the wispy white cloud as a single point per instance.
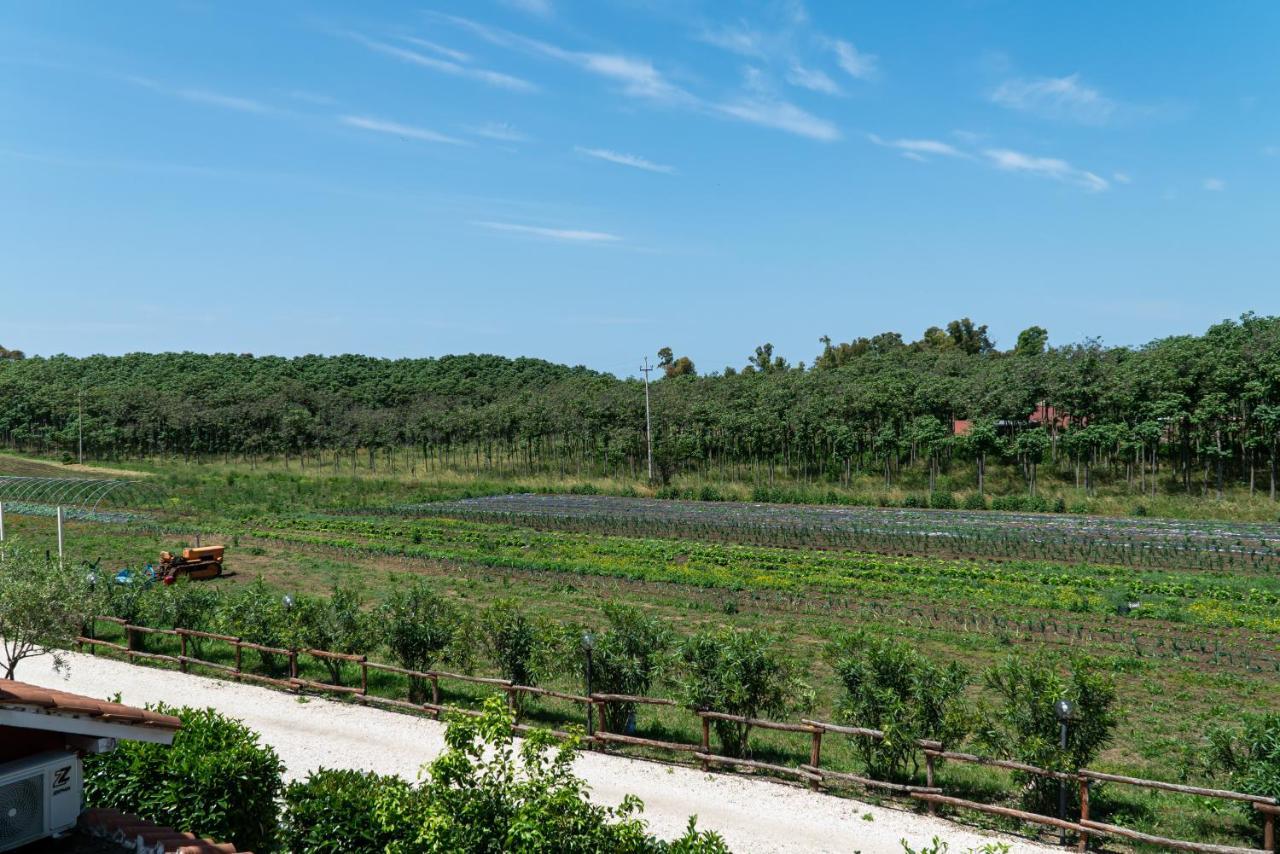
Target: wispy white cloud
(1045, 167)
(436, 47)
(499, 131)
(919, 149)
(1214, 185)
(201, 96)
(400, 130)
(859, 65)
(567, 234)
(781, 115)
(622, 159)
(1062, 98)
(813, 79)
(738, 39)
(638, 77)
(447, 66)
(1122, 178)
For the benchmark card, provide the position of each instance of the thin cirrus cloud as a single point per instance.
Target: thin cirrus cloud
(632, 160)
(639, 78)
(448, 66)
(1214, 185)
(570, 235)
(397, 129)
(1009, 160)
(918, 149)
(855, 63)
(1060, 98)
(202, 96)
(436, 47)
(499, 132)
(541, 8)
(780, 115)
(813, 79)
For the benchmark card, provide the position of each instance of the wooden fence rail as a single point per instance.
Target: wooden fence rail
(811, 773)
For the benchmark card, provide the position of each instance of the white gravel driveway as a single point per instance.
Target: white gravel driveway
(754, 816)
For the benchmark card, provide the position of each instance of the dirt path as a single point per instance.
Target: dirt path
(754, 816)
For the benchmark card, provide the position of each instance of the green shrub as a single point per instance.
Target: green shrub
(257, 614)
(43, 608)
(185, 604)
(1025, 726)
(484, 795)
(1249, 756)
(336, 623)
(914, 500)
(337, 811)
(627, 658)
(942, 500)
(891, 687)
(520, 646)
(417, 626)
(975, 501)
(738, 673)
(215, 780)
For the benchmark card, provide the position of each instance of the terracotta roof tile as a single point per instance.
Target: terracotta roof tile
(22, 694)
(143, 836)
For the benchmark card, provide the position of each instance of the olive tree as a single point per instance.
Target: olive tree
(43, 608)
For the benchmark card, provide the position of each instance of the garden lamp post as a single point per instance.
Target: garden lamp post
(588, 644)
(287, 601)
(1063, 709)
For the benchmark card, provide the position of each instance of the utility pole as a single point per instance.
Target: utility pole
(648, 424)
(80, 425)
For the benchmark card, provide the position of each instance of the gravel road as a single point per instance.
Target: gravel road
(754, 816)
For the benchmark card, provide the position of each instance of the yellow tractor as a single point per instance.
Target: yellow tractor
(198, 563)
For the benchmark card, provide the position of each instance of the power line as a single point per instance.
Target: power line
(648, 424)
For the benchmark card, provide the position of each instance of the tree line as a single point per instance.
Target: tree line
(1191, 412)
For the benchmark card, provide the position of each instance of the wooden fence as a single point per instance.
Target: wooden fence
(811, 773)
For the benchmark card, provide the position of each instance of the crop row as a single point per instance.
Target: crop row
(1197, 599)
(1128, 542)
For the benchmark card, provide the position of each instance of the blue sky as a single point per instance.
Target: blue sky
(588, 182)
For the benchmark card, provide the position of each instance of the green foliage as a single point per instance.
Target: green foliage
(43, 608)
(336, 811)
(739, 673)
(890, 686)
(215, 780)
(1248, 756)
(256, 613)
(627, 658)
(484, 795)
(417, 627)
(517, 643)
(334, 623)
(1025, 725)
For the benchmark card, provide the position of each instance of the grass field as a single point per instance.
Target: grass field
(1202, 646)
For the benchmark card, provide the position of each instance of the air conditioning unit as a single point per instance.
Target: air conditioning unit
(39, 797)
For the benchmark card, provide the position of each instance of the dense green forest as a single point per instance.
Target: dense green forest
(1186, 413)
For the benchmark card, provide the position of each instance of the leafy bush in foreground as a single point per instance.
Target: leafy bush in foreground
(890, 686)
(1025, 726)
(215, 780)
(1249, 756)
(336, 810)
(738, 673)
(627, 659)
(484, 795)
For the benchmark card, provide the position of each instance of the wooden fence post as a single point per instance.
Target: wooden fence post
(236, 644)
(815, 757)
(928, 780)
(364, 675)
(1269, 832)
(1083, 844)
(435, 692)
(706, 742)
(128, 641)
(293, 664)
(182, 662)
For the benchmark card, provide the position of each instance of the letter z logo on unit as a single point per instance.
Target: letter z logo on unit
(61, 777)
